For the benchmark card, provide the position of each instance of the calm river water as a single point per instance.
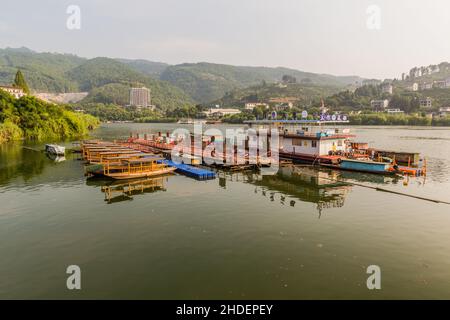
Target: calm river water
(294, 235)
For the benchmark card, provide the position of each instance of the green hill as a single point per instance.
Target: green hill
(43, 71)
(149, 68)
(300, 94)
(206, 82)
(109, 81)
(100, 71)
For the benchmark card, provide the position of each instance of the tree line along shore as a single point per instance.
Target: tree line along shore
(30, 118)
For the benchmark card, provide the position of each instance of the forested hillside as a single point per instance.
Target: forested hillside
(107, 80)
(44, 72)
(301, 95)
(205, 82)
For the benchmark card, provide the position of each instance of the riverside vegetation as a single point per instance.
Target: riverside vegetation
(34, 119)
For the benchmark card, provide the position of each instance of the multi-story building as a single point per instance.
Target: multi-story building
(140, 97)
(426, 103)
(379, 105)
(15, 91)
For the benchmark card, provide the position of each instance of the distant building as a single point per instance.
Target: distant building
(253, 105)
(220, 112)
(441, 84)
(413, 87)
(284, 106)
(394, 111)
(379, 105)
(426, 85)
(426, 103)
(140, 97)
(16, 92)
(372, 82)
(387, 88)
(445, 111)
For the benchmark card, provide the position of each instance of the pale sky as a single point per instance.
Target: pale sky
(323, 36)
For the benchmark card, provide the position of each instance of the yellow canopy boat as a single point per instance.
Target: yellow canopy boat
(136, 168)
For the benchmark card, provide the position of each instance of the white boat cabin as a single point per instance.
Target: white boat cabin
(307, 137)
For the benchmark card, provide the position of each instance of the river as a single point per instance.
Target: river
(295, 235)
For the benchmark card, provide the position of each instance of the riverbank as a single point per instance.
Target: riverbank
(29, 118)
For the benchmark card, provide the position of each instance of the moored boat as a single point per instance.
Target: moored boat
(55, 149)
(136, 168)
(367, 166)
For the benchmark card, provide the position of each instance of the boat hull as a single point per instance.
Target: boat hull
(122, 176)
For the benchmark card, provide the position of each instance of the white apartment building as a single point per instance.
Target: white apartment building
(140, 97)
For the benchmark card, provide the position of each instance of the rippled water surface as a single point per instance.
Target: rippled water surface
(298, 234)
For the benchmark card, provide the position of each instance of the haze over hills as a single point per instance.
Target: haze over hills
(108, 79)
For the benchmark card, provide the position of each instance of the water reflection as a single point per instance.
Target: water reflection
(295, 183)
(124, 190)
(55, 158)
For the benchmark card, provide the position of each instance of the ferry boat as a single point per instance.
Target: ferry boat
(313, 141)
(308, 140)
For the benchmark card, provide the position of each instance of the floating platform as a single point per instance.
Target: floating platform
(190, 171)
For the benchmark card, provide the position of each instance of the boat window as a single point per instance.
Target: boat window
(305, 143)
(296, 142)
(340, 143)
(314, 143)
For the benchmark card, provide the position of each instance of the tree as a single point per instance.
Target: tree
(19, 81)
(288, 79)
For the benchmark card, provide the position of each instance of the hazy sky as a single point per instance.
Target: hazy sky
(325, 36)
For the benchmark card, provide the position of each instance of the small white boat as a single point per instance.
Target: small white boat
(55, 149)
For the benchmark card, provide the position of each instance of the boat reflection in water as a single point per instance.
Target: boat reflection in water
(293, 183)
(306, 184)
(117, 191)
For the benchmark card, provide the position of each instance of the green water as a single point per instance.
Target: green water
(295, 235)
